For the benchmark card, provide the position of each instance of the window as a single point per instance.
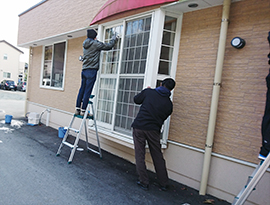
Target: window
(6, 75)
(124, 71)
(125, 83)
(167, 45)
(53, 65)
(5, 56)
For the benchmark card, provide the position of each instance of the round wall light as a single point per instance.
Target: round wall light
(238, 42)
(193, 5)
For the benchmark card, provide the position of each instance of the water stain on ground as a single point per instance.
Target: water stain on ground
(9, 128)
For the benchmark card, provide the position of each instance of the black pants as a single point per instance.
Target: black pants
(153, 139)
(266, 121)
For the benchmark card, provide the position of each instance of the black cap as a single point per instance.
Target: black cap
(91, 33)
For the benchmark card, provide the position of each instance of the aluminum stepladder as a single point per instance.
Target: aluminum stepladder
(252, 181)
(79, 131)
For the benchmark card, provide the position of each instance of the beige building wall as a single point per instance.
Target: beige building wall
(243, 89)
(56, 17)
(242, 97)
(12, 64)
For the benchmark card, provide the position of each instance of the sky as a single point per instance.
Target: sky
(9, 21)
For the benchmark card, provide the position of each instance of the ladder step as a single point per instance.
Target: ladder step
(68, 144)
(81, 116)
(92, 150)
(74, 130)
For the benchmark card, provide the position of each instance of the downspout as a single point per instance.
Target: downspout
(215, 96)
(27, 80)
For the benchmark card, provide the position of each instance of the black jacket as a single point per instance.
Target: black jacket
(91, 52)
(156, 107)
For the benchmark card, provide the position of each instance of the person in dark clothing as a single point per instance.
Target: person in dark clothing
(265, 128)
(90, 59)
(156, 107)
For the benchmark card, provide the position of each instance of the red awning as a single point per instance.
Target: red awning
(112, 7)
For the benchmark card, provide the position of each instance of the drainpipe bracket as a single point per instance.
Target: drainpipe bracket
(217, 84)
(208, 146)
(225, 20)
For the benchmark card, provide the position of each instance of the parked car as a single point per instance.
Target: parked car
(21, 86)
(8, 85)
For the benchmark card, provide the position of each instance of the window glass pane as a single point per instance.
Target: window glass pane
(168, 38)
(158, 83)
(58, 65)
(142, 66)
(47, 69)
(6, 75)
(166, 53)
(170, 23)
(164, 67)
(147, 24)
(137, 34)
(106, 99)
(146, 38)
(126, 109)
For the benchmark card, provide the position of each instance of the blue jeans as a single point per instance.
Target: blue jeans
(88, 80)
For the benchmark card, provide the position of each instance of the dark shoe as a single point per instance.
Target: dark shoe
(261, 157)
(142, 185)
(163, 188)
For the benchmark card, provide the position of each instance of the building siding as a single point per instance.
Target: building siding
(56, 17)
(243, 89)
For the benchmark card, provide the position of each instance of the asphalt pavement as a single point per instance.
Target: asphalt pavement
(32, 174)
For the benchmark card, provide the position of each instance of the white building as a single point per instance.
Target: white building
(10, 65)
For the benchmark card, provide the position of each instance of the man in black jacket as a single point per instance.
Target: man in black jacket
(156, 107)
(91, 56)
(265, 128)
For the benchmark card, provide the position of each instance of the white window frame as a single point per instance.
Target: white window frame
(150, 75)
(64, 66)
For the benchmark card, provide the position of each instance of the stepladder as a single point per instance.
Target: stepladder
(72, 141)
(252, 181)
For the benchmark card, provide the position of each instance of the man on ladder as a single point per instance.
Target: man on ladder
(265, 149)
(90, 59)
(266, 118)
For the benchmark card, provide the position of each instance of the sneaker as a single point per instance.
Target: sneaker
(88, 114)
(77, 111)
(142, 185)
(82, 112)
(261, 157)
(163, 188)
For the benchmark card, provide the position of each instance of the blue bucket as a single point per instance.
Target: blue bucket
(61, 132)
(8, 119)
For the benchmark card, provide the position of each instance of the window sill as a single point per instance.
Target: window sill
(119, 138)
